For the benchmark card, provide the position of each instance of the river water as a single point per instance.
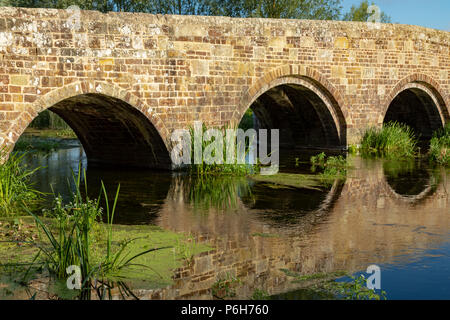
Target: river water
(392, 214)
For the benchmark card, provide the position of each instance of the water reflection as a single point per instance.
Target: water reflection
(284, 205)
(257, 228)
(366, 224)
(56, 170)
(219, 192)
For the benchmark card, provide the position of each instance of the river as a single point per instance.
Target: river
(392, 214)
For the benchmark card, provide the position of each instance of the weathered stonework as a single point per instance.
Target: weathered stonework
(174, 70)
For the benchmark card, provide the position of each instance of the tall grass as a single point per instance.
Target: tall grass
(440, 146)
(392, 140)
(220, 168)
(15, 185)
(71, 242)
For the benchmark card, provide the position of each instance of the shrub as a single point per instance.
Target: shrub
(355, 289)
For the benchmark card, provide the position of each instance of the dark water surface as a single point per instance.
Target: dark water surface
(393, 214)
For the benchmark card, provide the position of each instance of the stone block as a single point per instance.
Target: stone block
(200, 67)
(338, 72)
(20, 80)
(341, 43)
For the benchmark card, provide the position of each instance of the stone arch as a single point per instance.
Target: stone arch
(426, 92)
(91, 92)
(305, 77)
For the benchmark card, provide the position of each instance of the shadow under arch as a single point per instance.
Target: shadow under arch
(416, 101)
(114, 127)
(301, 103)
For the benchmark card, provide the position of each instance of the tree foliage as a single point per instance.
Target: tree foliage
(362, 13)
(289, 9)
(295, 9)
(285, 9)
(58, 4)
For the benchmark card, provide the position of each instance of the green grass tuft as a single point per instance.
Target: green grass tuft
(394, 140)
(15, 186)
(235, 168)
(334, 167)
(440, 146)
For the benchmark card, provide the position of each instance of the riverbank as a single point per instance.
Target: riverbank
(22, 240)
(46, 140)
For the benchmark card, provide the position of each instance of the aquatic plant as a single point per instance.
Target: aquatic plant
(15, 185)
(225, 287)
(58, 133)
(319, 159)
(325, 285)
(71, 244)
(295, 180)
(333, 167)
(393, 140)
(355, 289)
(440, 146)
(235, 168)
(353, 149)
(260, 294)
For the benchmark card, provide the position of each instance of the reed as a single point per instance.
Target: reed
(393, 140)
(70, 242)
(440, 146)
(15, 186)
(234, 168)
(332, 167)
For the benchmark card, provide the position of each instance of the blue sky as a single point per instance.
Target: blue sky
(428, 13)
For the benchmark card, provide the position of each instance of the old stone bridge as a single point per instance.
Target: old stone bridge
(124, 81)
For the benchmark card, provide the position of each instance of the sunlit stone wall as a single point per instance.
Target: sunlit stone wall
(177, 69)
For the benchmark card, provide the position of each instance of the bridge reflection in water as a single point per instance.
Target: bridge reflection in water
(347, 227)
(380, 214)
